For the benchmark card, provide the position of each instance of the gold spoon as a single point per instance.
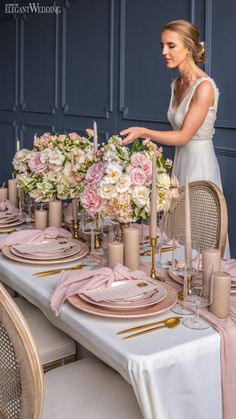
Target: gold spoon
(143, 326)
(169, 323)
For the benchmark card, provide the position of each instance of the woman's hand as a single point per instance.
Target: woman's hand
(133, 133)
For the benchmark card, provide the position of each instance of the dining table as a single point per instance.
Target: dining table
(175, 372)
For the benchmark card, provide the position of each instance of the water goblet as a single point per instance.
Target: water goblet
(199, 296)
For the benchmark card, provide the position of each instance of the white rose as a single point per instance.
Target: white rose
(113, 172)
(56, 157)
(140, 196)
(163, 180)
(123, 184)
(107, 190)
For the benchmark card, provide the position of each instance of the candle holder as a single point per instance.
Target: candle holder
(153, 274)
(75, 230)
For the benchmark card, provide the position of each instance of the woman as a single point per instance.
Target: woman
(192, 109)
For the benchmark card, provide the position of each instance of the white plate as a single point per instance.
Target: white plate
(12, 224)
(75, 248)
(152, 297)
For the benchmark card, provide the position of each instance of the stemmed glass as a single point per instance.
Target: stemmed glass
(199, 296)
(91, 225)
(187, 270)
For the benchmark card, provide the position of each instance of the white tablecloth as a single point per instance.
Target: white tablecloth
(175, 373)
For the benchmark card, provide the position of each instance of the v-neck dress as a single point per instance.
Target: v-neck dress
(196, 159)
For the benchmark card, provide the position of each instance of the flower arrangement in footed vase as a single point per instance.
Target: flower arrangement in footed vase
(118, 184)
(47, 172)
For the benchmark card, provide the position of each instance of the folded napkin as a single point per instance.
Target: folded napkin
(7, 205)
(78, 281)
(53, 246)
(34, 236)
(227, 330)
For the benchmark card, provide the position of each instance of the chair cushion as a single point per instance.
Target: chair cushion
(88, 389)
(53, 344)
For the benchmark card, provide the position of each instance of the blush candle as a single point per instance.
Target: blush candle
(131, 247)
(115, 253)
(221, 294)
(55, 213)
(75, 210)
(41, 219)
(153, 224)
(3, 194)
(12, 191)
(95, 137)
(188, 239)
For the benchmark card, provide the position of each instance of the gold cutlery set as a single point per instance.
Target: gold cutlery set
(8, 231)
(163, 250)
(50, 272)
(170, 322)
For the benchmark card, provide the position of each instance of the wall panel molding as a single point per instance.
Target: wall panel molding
(80, 110)
(10, 105)
(33, 105)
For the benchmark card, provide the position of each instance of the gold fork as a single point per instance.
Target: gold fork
(57, 271)
(8, 231)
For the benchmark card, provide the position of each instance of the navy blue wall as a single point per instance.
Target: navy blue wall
(100, 59)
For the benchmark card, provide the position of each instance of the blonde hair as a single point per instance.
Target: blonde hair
(189, 34)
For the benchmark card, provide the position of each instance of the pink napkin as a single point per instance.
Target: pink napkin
(7, 205)
(229, 266)
(227, 330)
(78, 281)
(34, 236)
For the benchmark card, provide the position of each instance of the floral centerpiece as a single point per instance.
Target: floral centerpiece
(56, 166)
(118, 184)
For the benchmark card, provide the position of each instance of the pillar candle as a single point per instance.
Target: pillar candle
(55, 213)
(41, 219)
(211, 257)
(187, 231)
(12, 191)
(95, 137)
(115, 253)
(131, 247)
(3, 194)
(75, 210)
(153, 224)
(221, 294)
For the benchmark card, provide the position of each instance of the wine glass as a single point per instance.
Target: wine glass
(91, 225)
(185, 270)
(200, 295)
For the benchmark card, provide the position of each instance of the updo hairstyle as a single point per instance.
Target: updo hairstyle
(189, 34)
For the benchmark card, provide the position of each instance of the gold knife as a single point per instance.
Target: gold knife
(152, 329)
(143, 326)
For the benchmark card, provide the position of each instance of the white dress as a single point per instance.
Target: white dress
(196, 159)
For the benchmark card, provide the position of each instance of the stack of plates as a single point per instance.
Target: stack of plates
(9, 219)
(52, 251)
(156, 294)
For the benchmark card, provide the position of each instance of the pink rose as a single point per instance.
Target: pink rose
(147, 169)
(174, 182)
(137, 176)
(73, 136)
(138, 159)
(90, 200)
(35, 163)
(94, 173)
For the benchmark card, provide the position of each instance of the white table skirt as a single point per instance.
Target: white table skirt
(175, 373)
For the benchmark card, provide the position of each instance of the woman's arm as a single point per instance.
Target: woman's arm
(202, 100)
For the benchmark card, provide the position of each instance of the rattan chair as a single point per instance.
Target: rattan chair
(85, 389)
(209, 218)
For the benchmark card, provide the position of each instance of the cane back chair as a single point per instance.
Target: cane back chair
(85, 389)
(209, 218)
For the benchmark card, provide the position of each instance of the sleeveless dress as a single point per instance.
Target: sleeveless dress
(196, 159)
